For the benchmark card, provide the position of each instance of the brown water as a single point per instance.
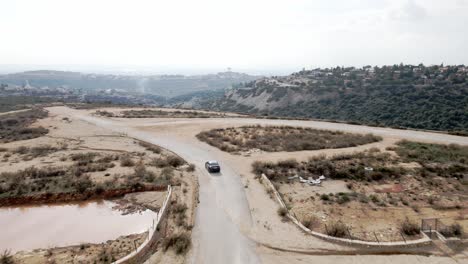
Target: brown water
(26, 228)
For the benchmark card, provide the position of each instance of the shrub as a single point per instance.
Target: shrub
(363, 199)
(179, 242)
(281, 138)
(409, 228)
(83, 157)
(282, 212)
(191, 167)
(14, 127)
(179, 208)
(175, 161)
(337, 229)
(374, 198)
(288, 164)
(104, 113)
(126, 161)
(150, 147)
(159, 162)
(343, 198)
(325, 197)
(171, 161)
(6, 258)
(21, 150)
(142, 173)
(83, 185)
(311, 222)
(41, 151)
(452, 230)
(167, 173)
(260, 168)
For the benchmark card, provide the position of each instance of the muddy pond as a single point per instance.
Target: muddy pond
(45, 226)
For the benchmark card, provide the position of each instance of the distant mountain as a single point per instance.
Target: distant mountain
(434, 97)
(159, 85)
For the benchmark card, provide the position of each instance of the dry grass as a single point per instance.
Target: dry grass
(311, 222)
(126, 161)
(169, 161)
(452, 230)
(15, 127)
(436, 160)
(150, 147)
(409, 228)
(349, 166)
(154, 113)
(281, 138)
(179, 242)
(337, 229)
(76, 178)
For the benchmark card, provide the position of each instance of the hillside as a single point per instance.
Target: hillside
(421, 97)
(159, 85)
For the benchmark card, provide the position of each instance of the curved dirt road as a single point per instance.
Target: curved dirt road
(224, 221)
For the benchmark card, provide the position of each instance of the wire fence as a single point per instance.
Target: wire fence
(348, 232)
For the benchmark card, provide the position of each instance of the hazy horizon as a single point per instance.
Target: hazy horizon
(256, 37)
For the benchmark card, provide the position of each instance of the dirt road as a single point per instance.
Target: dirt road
(225, 228)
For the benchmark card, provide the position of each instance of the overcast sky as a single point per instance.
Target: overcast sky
(247, 35)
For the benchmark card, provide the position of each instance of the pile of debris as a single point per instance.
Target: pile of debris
(309, 180)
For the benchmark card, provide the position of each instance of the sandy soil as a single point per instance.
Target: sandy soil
(222, 199)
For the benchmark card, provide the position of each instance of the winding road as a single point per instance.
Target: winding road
(223, 222)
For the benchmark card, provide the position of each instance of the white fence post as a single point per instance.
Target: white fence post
(151, 231)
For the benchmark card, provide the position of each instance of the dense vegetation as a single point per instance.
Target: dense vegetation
(435, 159)
(281, 138)
(421, 97)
